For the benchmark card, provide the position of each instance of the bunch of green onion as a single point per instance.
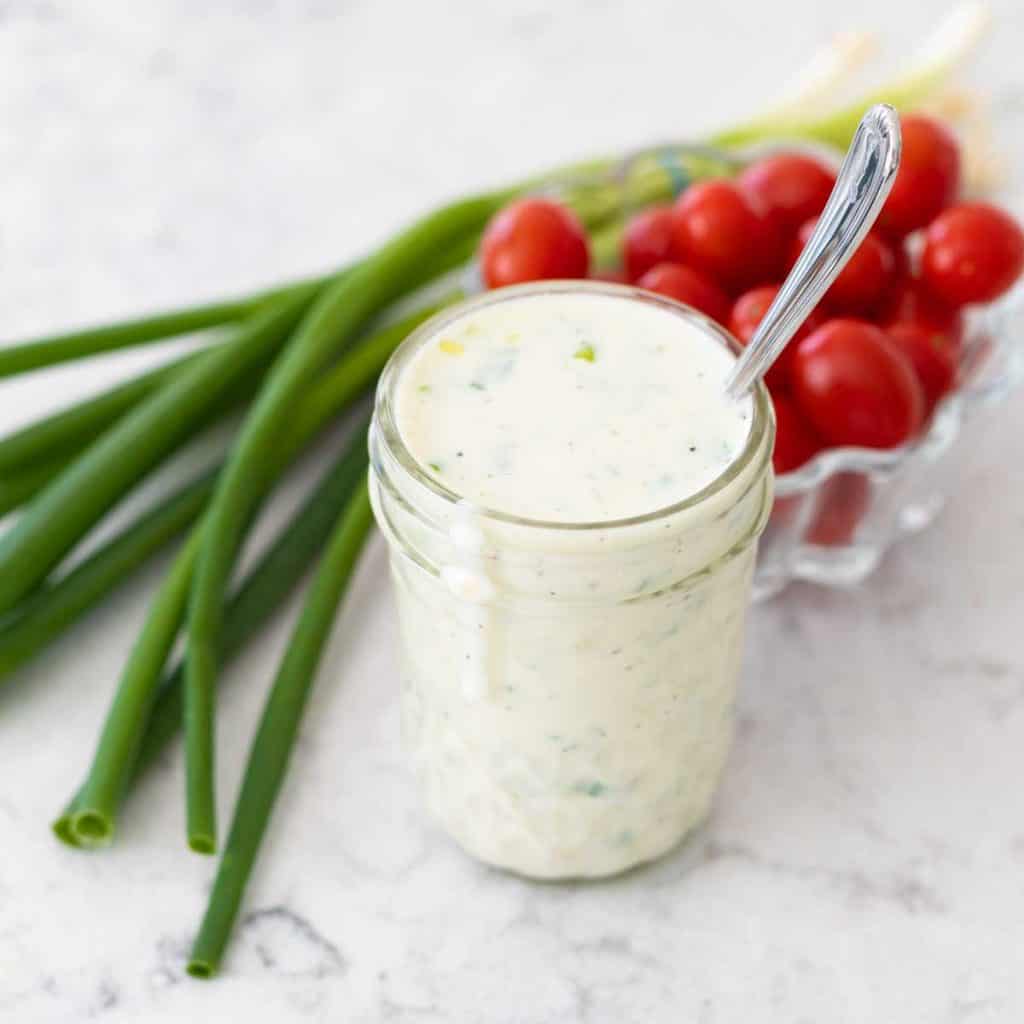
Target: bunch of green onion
(295, 358)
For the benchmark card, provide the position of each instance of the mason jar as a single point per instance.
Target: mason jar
(568, 689)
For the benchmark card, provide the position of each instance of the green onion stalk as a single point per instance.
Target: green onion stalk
(20, 485)
(279, 725)
(70, 430)
(21, 357)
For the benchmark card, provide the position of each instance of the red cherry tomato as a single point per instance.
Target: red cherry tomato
(748, 312)
(930, 356)
(973, 252)
(909, 302)
(795, 439)
(533, 240)
(927, 180)
(789, 187)
(863, 281)
(842, 503)
(686, 285)
(610, 275)
(901, 261)
(855, 386)
(647, 240)
(718, 230)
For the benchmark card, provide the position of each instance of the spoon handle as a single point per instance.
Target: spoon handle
(861, 187)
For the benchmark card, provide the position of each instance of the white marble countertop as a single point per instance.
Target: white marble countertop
(866, 858)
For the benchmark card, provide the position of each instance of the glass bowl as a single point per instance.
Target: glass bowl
(836, 517)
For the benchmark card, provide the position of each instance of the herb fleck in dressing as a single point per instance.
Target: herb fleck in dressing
(567, 692)
(568, 408)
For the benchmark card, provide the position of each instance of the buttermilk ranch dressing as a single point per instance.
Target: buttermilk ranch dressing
(572, 408)
(570, 649)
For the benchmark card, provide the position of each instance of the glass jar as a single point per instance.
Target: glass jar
(567, 688)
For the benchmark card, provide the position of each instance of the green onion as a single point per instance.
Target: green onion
(52, 609)
(272, 746)
(92, 823)
(76, 499)
(62, 826)
(44, 449)
(330, 325)
(356, 372)
(31, 355)
(19, 486)
(70, 430)
(261, 593)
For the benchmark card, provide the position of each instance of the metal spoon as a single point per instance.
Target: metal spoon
(861, 187)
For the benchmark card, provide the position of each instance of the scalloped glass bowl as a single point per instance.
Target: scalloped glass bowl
(836, 517)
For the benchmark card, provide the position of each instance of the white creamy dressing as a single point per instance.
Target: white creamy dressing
(572, 408)
(568, 693)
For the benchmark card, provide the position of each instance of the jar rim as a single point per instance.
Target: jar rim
(386, 427)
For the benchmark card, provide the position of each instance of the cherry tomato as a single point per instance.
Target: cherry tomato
(901, 260)
(612, 275)
(909, 302)
(789, 187)
(930, 356)
(795, 439)
(719, 231)
(686, 285)
(973, 252)
(785, 508)
(533, 240)
(863, 281)
(927, 180)
(842, 503)
(855, 386)
(747, 313)
(647, 240)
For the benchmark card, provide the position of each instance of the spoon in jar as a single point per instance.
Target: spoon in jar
(862, 185)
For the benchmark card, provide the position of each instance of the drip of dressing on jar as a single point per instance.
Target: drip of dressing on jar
(467, 580)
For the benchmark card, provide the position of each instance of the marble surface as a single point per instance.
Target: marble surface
(866, 858)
